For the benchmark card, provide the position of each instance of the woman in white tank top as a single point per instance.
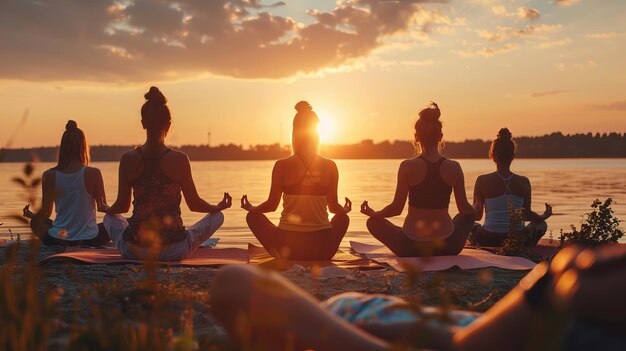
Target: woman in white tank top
(495, 192)
(76, 191)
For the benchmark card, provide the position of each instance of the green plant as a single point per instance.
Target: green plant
(514, 244)
(600, 226)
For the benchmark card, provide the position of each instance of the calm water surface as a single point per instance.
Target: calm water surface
(569, 185)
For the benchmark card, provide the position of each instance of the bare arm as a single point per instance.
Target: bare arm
(479, 201)
(193, 199)
(47, 194)
(529, 214)
(99, 193)
(396, 207)
(273, 199)
(333, 201)
(460, 195)
(122, 203)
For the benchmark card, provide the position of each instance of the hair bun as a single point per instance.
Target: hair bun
(504, 134)
(303, 106)
(71, 125)
(154, 95)
(430, 113)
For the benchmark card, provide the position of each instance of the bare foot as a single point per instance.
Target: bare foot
(26, 212)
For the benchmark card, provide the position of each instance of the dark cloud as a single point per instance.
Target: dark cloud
(619, 105)
(148, 40)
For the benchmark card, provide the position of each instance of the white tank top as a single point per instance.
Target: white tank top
(497, 218)
(75, 208)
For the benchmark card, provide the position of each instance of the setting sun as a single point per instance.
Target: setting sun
(327, 128)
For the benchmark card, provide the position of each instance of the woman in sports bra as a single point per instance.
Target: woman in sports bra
(494, 192)
(308, 184)
(157, 176)
(428, 180)
(76, 191)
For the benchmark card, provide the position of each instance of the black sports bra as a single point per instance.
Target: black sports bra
(432, 192)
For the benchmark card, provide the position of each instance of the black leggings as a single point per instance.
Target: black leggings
(533, 232)
(40, 227)
(319, 245)
(402, 246)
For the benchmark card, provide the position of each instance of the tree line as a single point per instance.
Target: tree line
(555, 145)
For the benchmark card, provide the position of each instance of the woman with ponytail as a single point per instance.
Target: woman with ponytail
(496, 192)
(157, 176)
(308, 184)
(75, 191)
(427, 180)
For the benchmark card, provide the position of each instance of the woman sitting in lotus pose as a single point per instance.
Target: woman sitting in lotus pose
(428, 181)
(308, 183)
(496, 192)
(75, 191)
(157, 175)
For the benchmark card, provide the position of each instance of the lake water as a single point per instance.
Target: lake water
(569, 185)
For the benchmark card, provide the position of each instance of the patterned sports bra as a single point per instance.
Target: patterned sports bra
(156, 206)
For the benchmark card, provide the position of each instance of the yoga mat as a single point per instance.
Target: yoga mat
(200, 257)
(259, 256)
(467, 259)
(545, 248)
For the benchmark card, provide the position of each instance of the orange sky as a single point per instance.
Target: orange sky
(237, 67)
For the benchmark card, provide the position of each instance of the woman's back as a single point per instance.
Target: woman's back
(498, 194)
(430, 184)
(75, 206)
(305, 184)
(156, 197)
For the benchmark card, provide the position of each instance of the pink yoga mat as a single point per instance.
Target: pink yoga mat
(258, 255)
(467, 259)
(200, 257)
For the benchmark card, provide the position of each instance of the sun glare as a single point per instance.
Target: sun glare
(327, 129)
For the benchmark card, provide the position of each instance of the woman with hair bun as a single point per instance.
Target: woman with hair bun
(427, 180)
(75, 190)
(495, 192)
(308, 184)
(157, 176)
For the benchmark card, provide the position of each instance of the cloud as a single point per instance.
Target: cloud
(540, 94)
(618, 105)
(553, 44)
(503, 33)
(522, 13)
(487, 51)
(150, 40)
(607, 35)
(566, 2)
(528, 13)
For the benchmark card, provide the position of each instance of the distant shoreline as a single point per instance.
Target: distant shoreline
(553, 146)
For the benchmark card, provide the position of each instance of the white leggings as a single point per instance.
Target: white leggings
(198, 233)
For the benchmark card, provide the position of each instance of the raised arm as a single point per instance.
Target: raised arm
(529, 214)
(273, 199)
(399, 199)
(333, 201)
(122, 203)
(193, 199)
(460, 195)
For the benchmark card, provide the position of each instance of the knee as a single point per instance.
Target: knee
(253, 217)
(217, 218)
(373, 224)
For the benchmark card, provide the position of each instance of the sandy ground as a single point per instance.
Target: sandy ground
(112, 286)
